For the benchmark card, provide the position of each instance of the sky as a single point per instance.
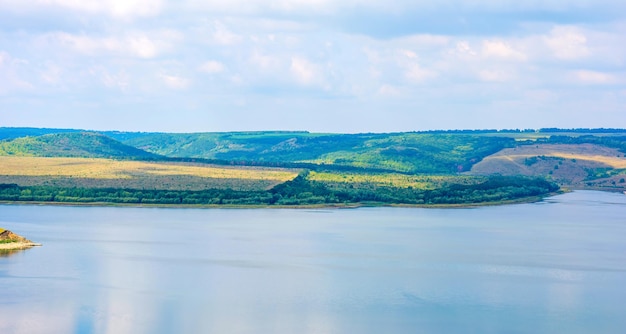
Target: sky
(317, 65)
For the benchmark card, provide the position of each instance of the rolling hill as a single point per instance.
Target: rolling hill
(421, 168)
(399, 152)
(572, 165)
(73, 144)
(575, 158)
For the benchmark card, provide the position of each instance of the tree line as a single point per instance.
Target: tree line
(299, 191)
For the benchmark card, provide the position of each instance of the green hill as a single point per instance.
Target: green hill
(424, 168)
(433, 152)
(402, 152)
(12, 133)
(72, 144)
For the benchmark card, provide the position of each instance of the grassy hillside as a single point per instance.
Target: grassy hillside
(396, 168)
(72, 144)
(417, 160)
(107, 173)
(573, 165)
(12, 133)
(401, 152)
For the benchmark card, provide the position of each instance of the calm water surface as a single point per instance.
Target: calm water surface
(558, 266)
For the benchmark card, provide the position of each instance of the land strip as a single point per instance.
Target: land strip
(109, 173)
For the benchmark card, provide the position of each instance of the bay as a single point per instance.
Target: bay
(558, 265)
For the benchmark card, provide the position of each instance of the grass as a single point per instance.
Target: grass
(88, 172)
(579, 166)
(423, 182)
(614, 162)
(585, 152)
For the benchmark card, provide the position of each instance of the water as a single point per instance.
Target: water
(558, 266)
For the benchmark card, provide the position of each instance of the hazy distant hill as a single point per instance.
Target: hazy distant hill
(72, 144)
(435, 152)
(404, 152)
(12, 133)
(380, 167)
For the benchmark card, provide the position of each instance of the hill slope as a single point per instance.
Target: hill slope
(574, 165)
(72, 144)
(12, 133)
(402, 152)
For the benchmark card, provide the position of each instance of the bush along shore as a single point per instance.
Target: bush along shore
(298, 192)
(10, 241)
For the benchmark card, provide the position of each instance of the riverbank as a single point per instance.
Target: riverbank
(12, 241)
(530, 199)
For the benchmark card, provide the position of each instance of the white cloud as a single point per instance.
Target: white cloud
(387, 90)
(123, 9)
(248, 7)
(52, 73)
(303, 70)
(491, 75)
(133, 44)
(463, 48)
(330, 7)
(174, 82)
(416, 73)
(413, 70)
(409, 54)
(263, 62)
(11, 72)
(120, 80)
(212, 67)
(266, 47)
(594, 77)
(222, 35)
(425, 40)
(567, 43)
(501, 50)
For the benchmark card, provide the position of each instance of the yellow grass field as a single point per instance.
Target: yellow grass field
(585, 166)
(424, 182)
(585, 152)
(132, 174)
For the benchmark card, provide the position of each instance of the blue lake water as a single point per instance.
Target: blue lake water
(557, 266)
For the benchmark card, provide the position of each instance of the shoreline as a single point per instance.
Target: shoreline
(18, 245)
(531, 199)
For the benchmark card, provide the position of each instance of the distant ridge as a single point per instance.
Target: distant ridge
(12, 133)
(418, 152)
(73, 144)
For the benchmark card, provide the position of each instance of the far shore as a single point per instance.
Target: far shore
(310, 206)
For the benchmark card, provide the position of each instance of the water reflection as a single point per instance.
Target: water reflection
(523, 268)
(9, 252)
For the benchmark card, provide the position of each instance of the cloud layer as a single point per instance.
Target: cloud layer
(318, 65)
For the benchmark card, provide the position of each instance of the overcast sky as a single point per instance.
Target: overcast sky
(317, 65)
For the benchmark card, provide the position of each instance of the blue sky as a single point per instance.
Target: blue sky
(317, 65)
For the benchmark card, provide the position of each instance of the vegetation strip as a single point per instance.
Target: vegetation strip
(299, 191)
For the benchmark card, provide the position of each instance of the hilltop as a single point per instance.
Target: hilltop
(72, 144)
